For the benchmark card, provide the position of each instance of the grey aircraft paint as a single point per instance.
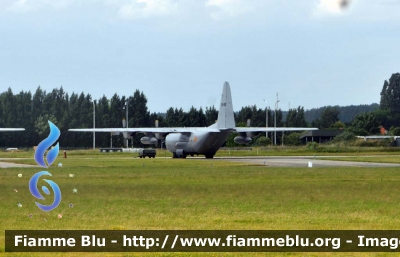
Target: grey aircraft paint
(203, 142)
(195, 140)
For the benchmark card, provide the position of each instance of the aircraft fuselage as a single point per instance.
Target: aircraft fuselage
(201, 142)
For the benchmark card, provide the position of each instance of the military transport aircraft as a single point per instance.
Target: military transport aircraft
(198, 140)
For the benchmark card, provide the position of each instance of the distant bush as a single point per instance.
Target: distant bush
(293, 139)
(263, 141)
(372, 143)
(331, 148)
(395, 131)
(357, 131)
(313, 146)
(339, 125)
(346, 136)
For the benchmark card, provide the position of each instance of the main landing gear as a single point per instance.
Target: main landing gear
(183, 156)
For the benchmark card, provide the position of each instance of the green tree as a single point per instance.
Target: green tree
(103, 121)
(395, 131)
(316, 123)
(182, 117)
(37, 103)
(170, 118)
(80, 116)
(8, 106)
(202, 118)
(8, 117)
(346, 136)
(293, 139)
(367, 122)
(329, 117)
(295, 118)
(139, 116)
(115, 118)
(346, 113)
(390, 94)
(155, 116)
(23, 113)
(263, 141)
(339, 125)
(211, 115)
(256, 116)
(42, 125)
(193, 116)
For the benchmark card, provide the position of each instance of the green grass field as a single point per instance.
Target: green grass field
(118, 192)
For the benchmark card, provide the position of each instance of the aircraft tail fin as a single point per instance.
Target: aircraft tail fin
(226, 119)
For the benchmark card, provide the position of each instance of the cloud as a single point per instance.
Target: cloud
(333, 7)
(139, 9)
(221, 9)
(23, 6)
(199, 11)
(124, 9)
(145, 9)
(358, 10)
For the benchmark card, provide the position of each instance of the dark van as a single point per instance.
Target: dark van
(147, 152)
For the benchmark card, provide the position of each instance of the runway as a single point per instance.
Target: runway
(303, 161)
(270, 161)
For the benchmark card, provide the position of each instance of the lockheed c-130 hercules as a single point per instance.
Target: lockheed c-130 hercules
(198, 140)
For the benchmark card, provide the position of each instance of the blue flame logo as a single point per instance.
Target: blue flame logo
(35, 192)
(46, 143)
(50, 157)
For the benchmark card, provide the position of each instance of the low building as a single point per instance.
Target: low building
(320, 136)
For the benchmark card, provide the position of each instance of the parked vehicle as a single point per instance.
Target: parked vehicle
(147, 152)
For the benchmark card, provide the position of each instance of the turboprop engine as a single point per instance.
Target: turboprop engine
(148, 140)
(242, 140)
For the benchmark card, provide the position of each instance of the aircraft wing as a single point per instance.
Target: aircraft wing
(11, 129)
(148, 130)
(269, 129)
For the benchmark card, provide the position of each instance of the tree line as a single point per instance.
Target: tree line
(32, 112)
(384, 118)
(346, 113)
(76, 111)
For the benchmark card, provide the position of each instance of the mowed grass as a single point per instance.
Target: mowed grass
(123, 193)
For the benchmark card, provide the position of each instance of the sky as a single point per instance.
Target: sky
(179, 53)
